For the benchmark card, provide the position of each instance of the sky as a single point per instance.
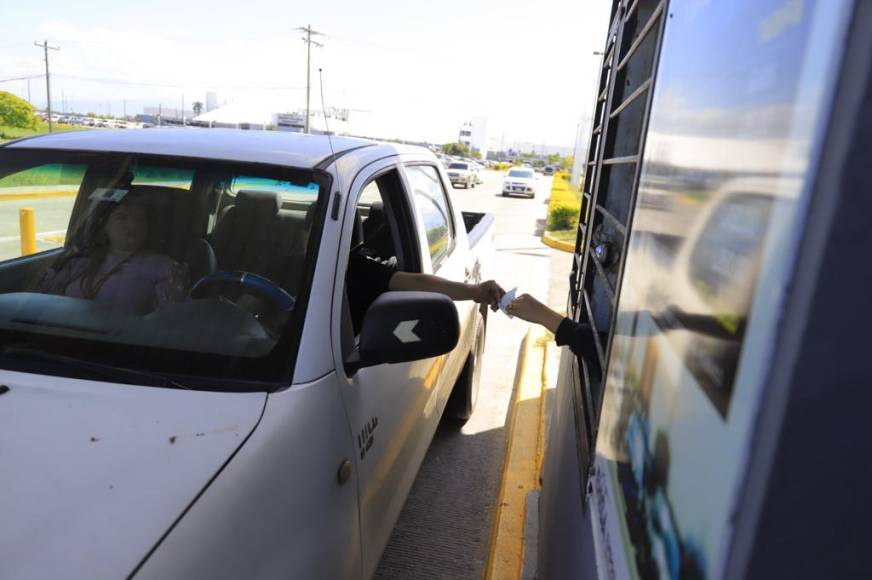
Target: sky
(420, 68)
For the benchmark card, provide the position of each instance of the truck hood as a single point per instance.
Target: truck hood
(95, 473)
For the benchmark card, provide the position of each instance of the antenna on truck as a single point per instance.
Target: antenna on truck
(337, 195)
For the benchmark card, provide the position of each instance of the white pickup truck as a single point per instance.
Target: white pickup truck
(461, 172)
(237, 425)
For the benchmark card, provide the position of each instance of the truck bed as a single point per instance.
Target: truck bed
(477, 224)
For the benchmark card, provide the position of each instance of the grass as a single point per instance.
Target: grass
(7, 132)
(565, 199)
(52, 174)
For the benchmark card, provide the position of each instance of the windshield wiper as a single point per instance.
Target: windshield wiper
(126, 375)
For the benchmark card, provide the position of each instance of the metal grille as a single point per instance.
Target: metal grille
(611, 179)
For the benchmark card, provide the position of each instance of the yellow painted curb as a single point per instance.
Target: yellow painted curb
(42, 195)
(521, 465)
(557, 244)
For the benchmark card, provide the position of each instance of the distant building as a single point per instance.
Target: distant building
(167, 115)
(211, 101)
(473, 134)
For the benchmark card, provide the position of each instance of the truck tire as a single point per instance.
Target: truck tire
(464, 395)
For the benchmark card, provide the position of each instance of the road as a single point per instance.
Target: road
(444, 530)
(52, 216)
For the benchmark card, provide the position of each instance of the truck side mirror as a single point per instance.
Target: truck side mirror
(407, 326)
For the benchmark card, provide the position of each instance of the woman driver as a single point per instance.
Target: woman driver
(114, 267)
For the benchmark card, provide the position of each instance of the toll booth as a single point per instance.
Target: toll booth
(720, 426)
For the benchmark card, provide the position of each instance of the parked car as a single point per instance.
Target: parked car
(548, 170)
(249, 429)
(477, 168)
(521, 181)
(461, 173)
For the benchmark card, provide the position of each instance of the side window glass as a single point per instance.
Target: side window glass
(370, 195)
(431, 203)
(35, 205)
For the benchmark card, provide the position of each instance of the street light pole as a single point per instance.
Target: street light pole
(309, 42)
(46, 48)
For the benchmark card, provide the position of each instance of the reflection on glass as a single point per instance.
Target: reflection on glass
(727, 149)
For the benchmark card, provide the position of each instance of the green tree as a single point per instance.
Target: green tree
(16, 112)
(458, 149)
(566, 163)
(554, 159)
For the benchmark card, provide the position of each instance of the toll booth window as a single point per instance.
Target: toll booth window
(35, 205)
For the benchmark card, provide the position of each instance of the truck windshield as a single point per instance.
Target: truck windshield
(165, 265)
(527, 173)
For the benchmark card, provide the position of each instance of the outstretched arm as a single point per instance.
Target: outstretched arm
(488, 292)
(528, 308)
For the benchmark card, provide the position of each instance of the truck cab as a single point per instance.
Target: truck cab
(232, 419)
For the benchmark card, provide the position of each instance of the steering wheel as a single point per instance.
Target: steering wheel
(243, 282)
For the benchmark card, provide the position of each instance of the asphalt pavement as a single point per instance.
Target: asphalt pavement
(445, 528)
(52, 215)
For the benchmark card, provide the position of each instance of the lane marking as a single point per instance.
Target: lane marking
(51, 236)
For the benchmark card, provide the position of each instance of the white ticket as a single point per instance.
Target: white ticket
(507, 299)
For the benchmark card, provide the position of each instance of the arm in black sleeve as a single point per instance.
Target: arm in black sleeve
(366, 280)
(578, 337)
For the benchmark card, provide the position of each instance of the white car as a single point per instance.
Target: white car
(252, 424)
(520, 181)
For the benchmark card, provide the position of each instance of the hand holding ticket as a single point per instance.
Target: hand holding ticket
(507, 299)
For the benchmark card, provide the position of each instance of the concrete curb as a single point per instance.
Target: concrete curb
(520, 475)
(557, 244)
(32, 196)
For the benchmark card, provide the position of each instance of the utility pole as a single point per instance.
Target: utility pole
(46, 48)
(28, 92)
(183, 109)
(309, 42)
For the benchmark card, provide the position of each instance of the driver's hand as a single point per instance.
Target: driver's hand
(489, 293)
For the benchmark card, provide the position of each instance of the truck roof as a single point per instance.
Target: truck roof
(272, 147)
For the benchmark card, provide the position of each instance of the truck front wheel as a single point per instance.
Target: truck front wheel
(465, 393)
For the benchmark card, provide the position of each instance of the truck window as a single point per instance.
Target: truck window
(431, 203)
(381, 232)
(47, 194)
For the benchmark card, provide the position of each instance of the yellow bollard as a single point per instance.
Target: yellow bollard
(27, 222)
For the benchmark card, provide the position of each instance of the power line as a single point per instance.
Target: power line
(26, 78)
(45, 47)
(309, 42)
(111, 81)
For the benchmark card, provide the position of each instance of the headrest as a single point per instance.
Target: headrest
(261, 204)
(377, 211)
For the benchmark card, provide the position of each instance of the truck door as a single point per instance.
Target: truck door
(393, 409)
(442, 234)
